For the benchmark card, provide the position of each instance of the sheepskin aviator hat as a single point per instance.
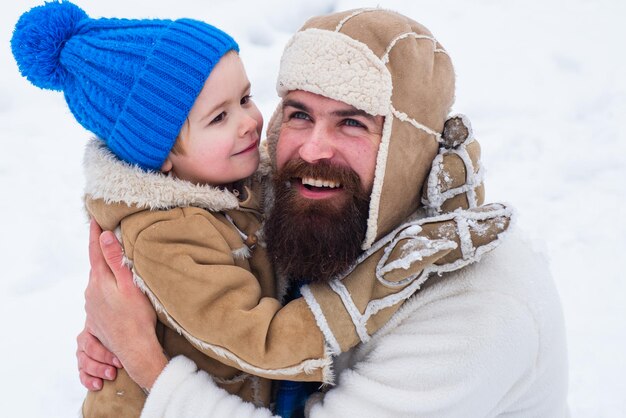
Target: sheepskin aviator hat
(131, 82)
(384, 64)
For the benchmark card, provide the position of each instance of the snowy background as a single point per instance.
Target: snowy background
(542, 80)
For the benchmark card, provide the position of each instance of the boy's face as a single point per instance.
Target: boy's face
(221, 138)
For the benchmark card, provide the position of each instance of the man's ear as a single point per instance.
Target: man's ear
(167, 165)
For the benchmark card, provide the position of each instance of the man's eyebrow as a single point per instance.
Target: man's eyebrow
(353, 112)
(344, 113)
(298, 105)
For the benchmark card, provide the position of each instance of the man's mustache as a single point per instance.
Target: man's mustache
(324, 170)
(316, 239)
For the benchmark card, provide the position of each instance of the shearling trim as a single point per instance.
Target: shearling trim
(470, 256)
(504, 211)
(241, 253)
(467, 249)
(260, 238)
(358, 320)
(118, 233)
(473, 179)
(385, 57)
(239, 377)
(307, 366)
(464, 217)
(336, 66)
(378, 305)
(256, 395)
(377, 187)
(405, 118)
(435, 196)
(426, 248)
(320, 319)
(116, 181)
(356, 13)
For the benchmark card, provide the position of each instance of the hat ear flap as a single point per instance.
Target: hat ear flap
(456, 176)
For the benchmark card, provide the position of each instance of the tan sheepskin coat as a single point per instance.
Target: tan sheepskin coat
(190, 249)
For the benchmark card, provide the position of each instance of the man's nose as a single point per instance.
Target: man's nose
(317, 146)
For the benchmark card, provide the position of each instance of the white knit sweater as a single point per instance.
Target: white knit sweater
(486, 341)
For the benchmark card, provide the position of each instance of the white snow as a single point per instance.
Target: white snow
(542, 81)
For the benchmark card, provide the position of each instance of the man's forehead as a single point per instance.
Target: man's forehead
(316, 103)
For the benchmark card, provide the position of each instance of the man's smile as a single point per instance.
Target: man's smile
(316, 182)
(317, 188)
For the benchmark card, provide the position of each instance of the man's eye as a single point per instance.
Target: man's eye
(218, 118)
(354, 123)
(299, 115)
(246, 99)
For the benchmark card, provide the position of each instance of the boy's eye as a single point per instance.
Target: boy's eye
(218, 118)
(246, 99)
(354, 123)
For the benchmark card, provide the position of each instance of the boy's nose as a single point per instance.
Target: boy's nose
(248, 124)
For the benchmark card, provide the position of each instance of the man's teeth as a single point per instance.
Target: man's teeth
(310, 181)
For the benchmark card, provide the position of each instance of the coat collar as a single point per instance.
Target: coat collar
(115, 181)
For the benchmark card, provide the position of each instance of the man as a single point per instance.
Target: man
(369, 90)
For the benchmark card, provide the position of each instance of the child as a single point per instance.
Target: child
(171, 171)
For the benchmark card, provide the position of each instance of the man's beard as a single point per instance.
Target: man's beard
(316, 240)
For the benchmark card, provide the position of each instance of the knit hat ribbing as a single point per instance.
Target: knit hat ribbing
(130, 82)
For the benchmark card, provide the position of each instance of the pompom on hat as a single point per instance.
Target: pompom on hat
(130, 82)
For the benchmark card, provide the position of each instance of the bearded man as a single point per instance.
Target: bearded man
(365, 95)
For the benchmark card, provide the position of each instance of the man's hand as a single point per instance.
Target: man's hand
(95, 362)
(118, 313)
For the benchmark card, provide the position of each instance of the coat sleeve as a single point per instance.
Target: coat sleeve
(453, 358)
(183, 391)
(188, 271)
(459, 356)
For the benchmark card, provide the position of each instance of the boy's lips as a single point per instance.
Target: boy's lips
(250, 147)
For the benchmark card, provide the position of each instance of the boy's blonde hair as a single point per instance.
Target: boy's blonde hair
(179, 147)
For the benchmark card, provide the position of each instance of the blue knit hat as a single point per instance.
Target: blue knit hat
(130, 82)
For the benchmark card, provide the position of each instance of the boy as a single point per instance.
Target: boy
(171, 172)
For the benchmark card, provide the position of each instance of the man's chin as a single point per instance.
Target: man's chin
(315, 239)
(315, 233)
